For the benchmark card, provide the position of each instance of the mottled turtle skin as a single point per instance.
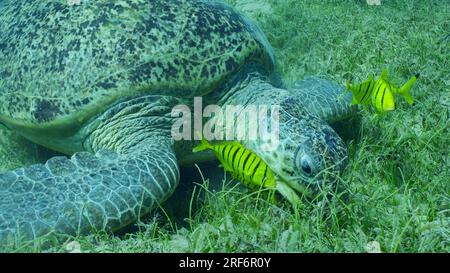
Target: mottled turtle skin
(98, 80)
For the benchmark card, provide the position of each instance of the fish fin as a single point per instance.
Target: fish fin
(383, 111)
(349, 89)
(226, 168)
(348, 86)
(404, 90)
(204, 145)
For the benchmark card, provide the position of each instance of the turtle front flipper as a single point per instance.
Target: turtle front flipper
(130, 171)
(326, 99)
(331, 103)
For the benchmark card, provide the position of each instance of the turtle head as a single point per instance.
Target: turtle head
(309, 152)
(315, 157)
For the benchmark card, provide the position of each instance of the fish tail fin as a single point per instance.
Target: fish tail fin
(347, 85)
(204, 145)
(404, 90)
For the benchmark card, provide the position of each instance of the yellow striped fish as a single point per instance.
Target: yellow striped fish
(380, 93)
(362, 93)
(243, 164)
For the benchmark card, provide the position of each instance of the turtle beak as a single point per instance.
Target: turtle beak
(290, 191)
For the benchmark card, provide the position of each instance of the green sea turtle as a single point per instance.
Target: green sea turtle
(97, 80)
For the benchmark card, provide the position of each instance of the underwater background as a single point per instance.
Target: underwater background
(396, 187)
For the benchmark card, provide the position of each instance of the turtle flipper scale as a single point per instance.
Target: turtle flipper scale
(326, 99)
(101, 191)
(331, 103)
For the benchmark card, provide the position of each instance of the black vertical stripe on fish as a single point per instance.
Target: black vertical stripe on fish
(392, 88)
(377, 85)
(366, 92)
(376, 92)
(238, 156)
(255, 169)
(265, 174)
(382, 98)
(380, 92)
(236, 163)
(227, 151)
(248, 163)
(358, 91)
(246, 160)
(221, 149)
(252, 165)
(232, 154)
(243, 158)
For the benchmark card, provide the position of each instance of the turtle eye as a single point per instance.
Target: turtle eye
(305, 164)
